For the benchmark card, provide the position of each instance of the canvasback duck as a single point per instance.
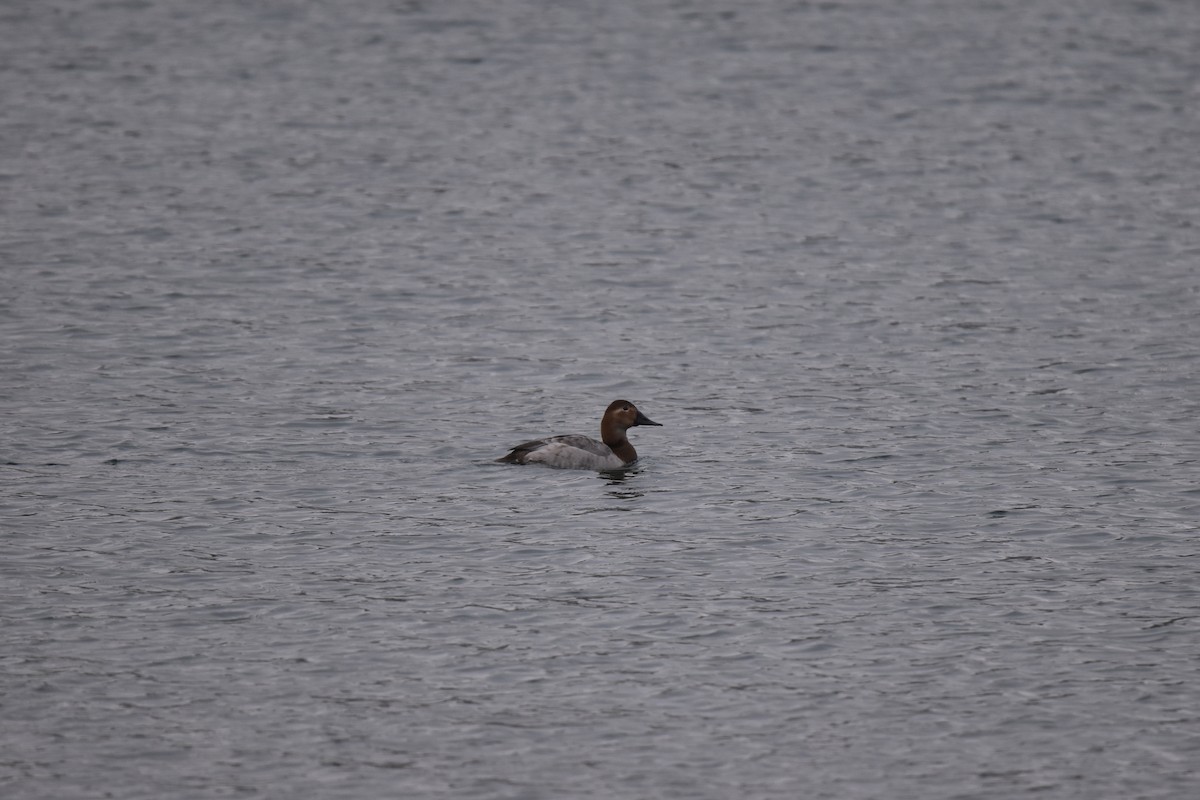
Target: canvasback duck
(573, 451)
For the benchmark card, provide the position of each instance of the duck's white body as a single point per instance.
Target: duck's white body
(573, 451)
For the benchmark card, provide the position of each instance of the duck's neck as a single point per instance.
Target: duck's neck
(614, 437)
(623, 450)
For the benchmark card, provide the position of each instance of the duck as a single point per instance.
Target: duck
(574, 451)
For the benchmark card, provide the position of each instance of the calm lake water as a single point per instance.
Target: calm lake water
(914, 289)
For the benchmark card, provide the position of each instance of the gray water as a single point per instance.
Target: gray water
(913, 288)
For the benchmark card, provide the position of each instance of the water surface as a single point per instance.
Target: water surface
(911, 287)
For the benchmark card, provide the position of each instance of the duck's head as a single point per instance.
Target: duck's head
(624, 415)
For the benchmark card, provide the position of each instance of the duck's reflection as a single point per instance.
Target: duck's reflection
(618, 485)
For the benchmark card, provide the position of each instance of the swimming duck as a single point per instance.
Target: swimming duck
(573, 451)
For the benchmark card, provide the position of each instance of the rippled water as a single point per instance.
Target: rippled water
(912, 287)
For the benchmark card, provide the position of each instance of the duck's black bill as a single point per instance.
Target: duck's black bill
(642, 419)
